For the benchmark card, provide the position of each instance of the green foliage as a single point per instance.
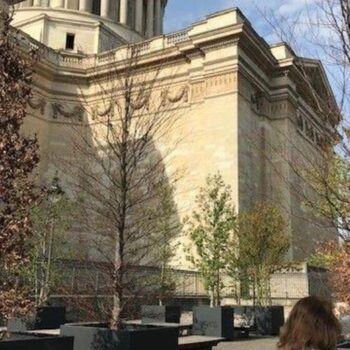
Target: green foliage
(329, 182)
(52, 219)
(262, 246)
(165, 229)
(210, 228)
(325, 255)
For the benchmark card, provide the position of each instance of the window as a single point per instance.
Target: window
(70, 41)
(131, 13)
(96, 7)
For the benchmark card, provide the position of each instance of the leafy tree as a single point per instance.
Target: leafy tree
(166, 229)
(262, 246)
(210, 228)
(52, 219)
(325, 255)
(335, 257)
(19, 158)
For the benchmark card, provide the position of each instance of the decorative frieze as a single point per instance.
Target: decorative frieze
(220, 83)
(309, 131)
(279, 107)
(37, 103)
(180, 96)
(139, 103)
(58, 110)
(97, 113)
(198, 91)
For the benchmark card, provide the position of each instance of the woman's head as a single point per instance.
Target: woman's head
(310, 325)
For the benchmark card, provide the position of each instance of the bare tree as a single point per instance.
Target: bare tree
(121, 166)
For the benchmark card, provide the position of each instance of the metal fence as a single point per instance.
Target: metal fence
(93, 279)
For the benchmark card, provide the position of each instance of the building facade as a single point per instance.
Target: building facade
(240, 101)
(90, 26)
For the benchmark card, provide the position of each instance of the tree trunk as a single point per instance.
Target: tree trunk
(218, 288)
(212, 297)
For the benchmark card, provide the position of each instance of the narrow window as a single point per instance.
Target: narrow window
(70, 41)
(96, 7)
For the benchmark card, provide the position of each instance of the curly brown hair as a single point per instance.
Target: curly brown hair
(310, 325)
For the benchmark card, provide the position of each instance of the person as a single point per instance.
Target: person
(311, 325)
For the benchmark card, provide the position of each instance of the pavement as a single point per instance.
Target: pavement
(249, 344)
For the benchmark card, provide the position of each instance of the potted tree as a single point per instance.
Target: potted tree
(210, 228)
(262, 246)
(121, 174)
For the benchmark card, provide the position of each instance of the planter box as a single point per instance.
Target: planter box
(213, 321)
(160, 314)
(50, 317)
(243, 317)
(47, 317)
(98, 337)
(344, 345)
(262, 320)
(17, 325)
(269, 320)
(28, 342)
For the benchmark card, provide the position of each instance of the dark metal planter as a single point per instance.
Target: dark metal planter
(36, 342)
(17, 325)
(98, 337)
(213, 321)
(47, 317)
(267, 320)
(160, 314)
(50, 317)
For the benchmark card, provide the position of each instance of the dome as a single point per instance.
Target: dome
(90, 26)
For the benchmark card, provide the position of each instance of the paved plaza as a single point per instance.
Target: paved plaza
(249, 344)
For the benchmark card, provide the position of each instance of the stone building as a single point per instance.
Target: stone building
(243, 105)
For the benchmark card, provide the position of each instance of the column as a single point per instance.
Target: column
(139, 16)
(123, 11)
(150, 18)
(105, 8)
(158, 18)
(36, 3)
(85, 5)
